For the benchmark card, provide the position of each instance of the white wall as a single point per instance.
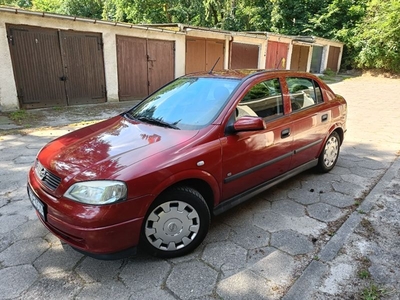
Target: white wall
(8, 91)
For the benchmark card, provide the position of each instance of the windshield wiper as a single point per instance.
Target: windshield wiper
(156, 122)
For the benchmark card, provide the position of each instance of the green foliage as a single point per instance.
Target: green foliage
(373, 292)
(364, 274)
(339, 20)
(291, 16)
(46, 5)
(379, 36)
(17, 3)
(247, 15)
(18, 116)
(83, 8)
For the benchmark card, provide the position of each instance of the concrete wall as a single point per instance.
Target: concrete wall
(8, 91)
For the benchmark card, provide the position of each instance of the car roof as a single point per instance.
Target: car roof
(241, 73)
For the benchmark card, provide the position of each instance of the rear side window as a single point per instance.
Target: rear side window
(304, 92)
(264, 100)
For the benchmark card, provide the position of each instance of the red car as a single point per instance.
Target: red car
(200, 145)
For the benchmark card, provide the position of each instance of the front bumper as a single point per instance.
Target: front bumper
(105, 232)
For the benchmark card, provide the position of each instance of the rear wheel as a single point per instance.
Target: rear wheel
(330, 153)
(176, 223)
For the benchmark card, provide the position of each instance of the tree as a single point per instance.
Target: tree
(155, 11)
(339, 20)
(46, 5)
(292, 16)
(247, 15)
(83, 8)
(379, 36)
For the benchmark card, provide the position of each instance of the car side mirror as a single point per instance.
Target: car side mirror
(248, 123)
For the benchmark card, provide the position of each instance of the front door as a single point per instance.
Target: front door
(254, 157)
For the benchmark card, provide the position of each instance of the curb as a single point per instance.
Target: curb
(312, 276)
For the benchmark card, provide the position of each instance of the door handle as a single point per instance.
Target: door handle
(63, 78)
(285, 133)
(324, 117)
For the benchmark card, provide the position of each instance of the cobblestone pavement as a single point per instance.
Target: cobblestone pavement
(311, 237)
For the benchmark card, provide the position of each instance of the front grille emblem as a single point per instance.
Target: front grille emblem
(42, 173)
(47, 178)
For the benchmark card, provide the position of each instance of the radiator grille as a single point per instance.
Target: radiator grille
(48, 179)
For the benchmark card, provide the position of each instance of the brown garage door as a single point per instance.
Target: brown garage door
(195, 55)
(276, 55)
(55, 67)
(203, 54)
(333, 58)
(84, 67)
(244, 56)
(161, 63)
(144, 66)
(36, 60)
(299, 58)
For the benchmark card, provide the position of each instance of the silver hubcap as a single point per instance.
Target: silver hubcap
(172, 225)
(331, 151)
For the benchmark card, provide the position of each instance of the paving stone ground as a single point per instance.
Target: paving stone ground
(308, 238)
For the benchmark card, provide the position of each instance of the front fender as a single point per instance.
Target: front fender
(191, 174)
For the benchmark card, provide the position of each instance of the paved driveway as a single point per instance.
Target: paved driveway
(255, 251)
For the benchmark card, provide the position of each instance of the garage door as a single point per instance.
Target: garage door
(244, 56)
(203, 54)
(316, 60)
(333, 58)
(276, 55)
(56, 67)
(299, 58)
(144, 65)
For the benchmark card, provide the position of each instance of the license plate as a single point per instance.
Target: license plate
(37, 204)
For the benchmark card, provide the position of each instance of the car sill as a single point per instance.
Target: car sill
(234, 201)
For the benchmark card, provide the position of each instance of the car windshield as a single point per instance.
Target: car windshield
(186, 103)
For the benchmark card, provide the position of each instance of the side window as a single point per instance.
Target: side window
(263, 100)
(303, 92)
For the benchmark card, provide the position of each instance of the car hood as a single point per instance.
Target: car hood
(102, 150)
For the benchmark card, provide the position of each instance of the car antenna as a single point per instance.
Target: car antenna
(212, 69)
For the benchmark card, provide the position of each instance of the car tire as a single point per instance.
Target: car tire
(176, 223)
(330, 154)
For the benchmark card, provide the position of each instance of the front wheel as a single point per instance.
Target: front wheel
(330, 153)
(176, 223)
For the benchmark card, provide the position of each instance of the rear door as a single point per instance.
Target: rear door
(310, 118)
(253, 157)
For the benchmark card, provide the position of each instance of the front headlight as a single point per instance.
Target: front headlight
(97, 192)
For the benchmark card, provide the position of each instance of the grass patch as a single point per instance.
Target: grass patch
(364, 274)
(18, 116)
(373, 292)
